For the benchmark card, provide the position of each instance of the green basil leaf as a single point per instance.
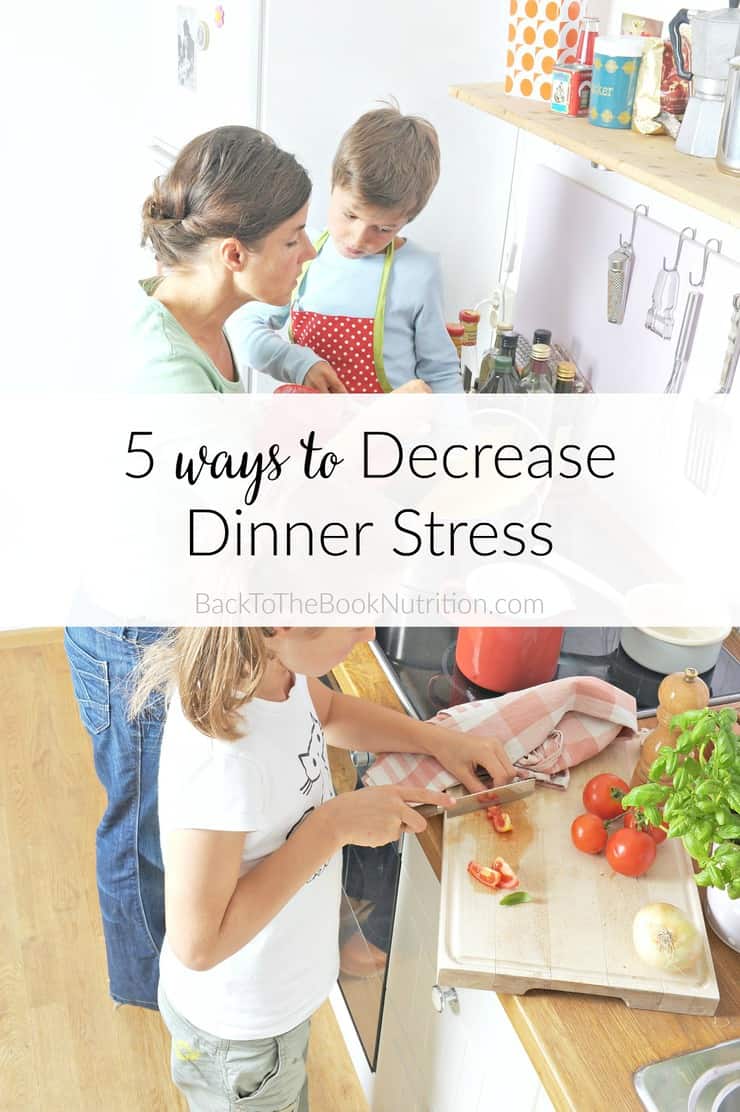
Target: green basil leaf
(729, 831)
(679, 826)
(514, 898)
(657, 769)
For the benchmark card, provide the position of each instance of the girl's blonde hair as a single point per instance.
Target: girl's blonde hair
(215, 669)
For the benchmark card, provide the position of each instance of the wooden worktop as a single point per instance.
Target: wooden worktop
(584, 1048)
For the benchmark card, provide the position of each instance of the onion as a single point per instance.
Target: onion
(665, 939)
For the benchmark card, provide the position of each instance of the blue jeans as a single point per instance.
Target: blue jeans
(126, 754)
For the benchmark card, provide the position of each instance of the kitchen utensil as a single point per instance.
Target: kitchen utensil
(710, 434)
(667, 1084)
(502, 658)
(661, 314)
(576, 933)
(668, 650)
(678, 692)
(621, 263)
(732, 353)
(491, 797)
(689, 324)
(715, 39)
(728, 148)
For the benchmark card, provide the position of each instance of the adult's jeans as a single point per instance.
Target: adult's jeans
(126, 754)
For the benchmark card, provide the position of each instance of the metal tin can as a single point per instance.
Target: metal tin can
(616, 65)
(571, 89)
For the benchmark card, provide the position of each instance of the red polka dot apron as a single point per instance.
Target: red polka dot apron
(352, 345)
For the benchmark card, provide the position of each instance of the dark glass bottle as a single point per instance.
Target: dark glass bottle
(565, 378)
(503, 378)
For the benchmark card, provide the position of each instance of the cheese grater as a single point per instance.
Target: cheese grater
(621, 262)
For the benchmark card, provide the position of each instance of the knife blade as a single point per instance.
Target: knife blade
(491, 797)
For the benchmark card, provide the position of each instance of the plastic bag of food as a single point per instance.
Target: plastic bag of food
(659, 88)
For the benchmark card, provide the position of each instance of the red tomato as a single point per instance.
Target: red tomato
(500, 820)
(633, 821)
(490, 877)
(602, 795)
(509, 879)
(588, 833)
(630, 852)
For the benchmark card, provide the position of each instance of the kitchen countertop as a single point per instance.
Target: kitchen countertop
(584, 1048)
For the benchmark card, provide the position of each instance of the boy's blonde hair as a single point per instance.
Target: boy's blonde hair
(389, 160)
(216, 670)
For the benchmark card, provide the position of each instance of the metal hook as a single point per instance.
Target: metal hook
(683, 234)
(705, 262)
(631, 240)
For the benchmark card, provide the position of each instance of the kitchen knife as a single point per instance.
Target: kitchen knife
(491, 797)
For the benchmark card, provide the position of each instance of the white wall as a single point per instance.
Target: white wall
(321, 74)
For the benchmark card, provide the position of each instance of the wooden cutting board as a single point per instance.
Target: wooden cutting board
(576, 935)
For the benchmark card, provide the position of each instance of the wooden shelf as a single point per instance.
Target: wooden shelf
(651, 160)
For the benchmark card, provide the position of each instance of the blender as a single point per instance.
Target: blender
(715, 38)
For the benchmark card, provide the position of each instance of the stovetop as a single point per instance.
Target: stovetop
(420, 664)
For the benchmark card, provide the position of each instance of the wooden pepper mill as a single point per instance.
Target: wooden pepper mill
(678, 692)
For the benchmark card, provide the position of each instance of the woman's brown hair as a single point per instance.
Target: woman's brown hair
(232, 181)
(216, 670)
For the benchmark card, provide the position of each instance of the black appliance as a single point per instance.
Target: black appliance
(420, 665)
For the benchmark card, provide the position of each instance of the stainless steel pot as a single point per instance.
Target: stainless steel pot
(673, 649)
(728, 150)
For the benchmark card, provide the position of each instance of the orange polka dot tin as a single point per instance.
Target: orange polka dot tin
(542, 34)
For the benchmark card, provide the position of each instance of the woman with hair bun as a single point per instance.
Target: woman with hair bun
(227, 225)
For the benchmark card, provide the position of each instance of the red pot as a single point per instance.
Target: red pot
(503, 659)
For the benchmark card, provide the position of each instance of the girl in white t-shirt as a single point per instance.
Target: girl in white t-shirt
(252, 834)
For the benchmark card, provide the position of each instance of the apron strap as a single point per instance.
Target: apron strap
(379, 320)
(319, 243)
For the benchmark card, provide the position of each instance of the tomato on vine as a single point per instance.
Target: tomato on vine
(633, 820)
(603, 794)
(588, 833)
(630, 852)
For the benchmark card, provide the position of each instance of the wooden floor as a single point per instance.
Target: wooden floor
(63, 1045)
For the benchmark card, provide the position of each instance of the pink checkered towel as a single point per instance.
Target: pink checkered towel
(544, 729)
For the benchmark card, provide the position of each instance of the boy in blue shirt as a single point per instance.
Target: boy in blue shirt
(367, 313)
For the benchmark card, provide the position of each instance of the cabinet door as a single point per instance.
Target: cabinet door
(465, 1057)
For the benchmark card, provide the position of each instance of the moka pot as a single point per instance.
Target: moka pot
(715, 39)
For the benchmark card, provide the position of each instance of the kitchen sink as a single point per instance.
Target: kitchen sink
(674, 1085)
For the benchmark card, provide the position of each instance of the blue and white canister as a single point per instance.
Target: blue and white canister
(616, 65)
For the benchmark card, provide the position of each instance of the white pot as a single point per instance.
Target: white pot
(673, 649)
(723, 916)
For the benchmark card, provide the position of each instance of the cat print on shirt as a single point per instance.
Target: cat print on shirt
(315, 765)
(314, 759)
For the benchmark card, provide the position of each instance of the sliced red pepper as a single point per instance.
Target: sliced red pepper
(491, 878)
(509, 879)
(500, 820)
